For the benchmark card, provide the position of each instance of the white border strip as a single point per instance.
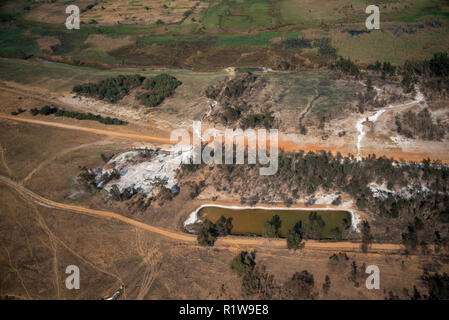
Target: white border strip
(193, 217)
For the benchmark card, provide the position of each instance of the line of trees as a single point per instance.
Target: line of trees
(48, 110)
(433, 74)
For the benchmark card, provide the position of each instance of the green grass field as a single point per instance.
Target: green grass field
(62, 77)
(409, 30)
(386, 46)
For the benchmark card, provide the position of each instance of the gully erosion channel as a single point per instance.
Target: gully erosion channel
(251, 220)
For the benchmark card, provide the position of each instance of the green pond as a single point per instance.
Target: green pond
(251, 221)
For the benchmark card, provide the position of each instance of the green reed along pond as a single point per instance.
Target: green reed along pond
(251, 220)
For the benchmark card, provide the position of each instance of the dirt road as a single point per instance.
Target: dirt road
(133, 136)
(284, 144)
(179, 236)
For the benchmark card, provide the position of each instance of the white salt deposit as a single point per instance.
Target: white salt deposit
(143, 170)
(419, 98)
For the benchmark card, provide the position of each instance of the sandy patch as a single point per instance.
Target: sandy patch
(46, 43)
(105, 44)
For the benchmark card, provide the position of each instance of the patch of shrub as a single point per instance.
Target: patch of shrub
(224, 226)
(346, 66)
(336, 259)
(325, 48)
(420, 125)
(298, 43)
(159, 88)
(367, 238)
(236, 87)
(313, 226)
(437, 285)
(326, 285)
(19, 111)
(207, 234)
(386, 68)
(126, 194)
(110, 89)
(259, 282)
(300, 286)
(209, 231)
(353, 274)
(165, 194)
(212, 92)
(294, 237)
(244, 262)
(256, 120)
(410, 239)
(48, 110)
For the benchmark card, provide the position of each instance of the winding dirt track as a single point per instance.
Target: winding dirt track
(179, 236)
(91, 130)
(105, 214)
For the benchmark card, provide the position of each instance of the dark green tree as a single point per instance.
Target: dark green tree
(207, 234)
(313, 226)
(326, 285)
(224, 226)
(294, 237)
(271, 228)
(367, 238)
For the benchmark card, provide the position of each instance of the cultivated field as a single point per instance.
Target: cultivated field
(200, 34)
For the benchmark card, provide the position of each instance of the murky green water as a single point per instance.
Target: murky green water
(251, 221)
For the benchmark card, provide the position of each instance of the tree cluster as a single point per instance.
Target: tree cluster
(257, 282)
(346, 66)
(48, 110)
(110, 89)
(209, 231)
(158, 88)
(420, 125)
(311, 172)
(272, 227)
(295, 237)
